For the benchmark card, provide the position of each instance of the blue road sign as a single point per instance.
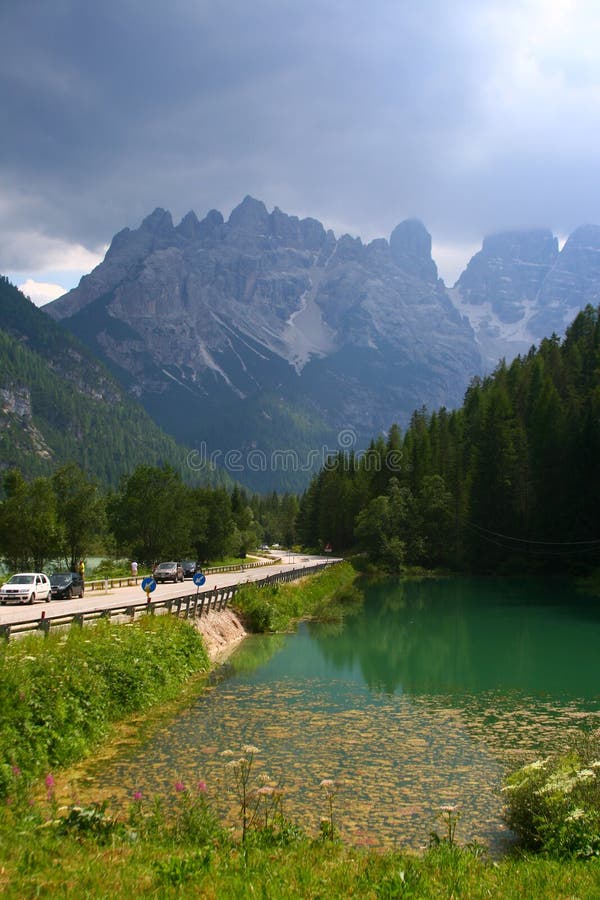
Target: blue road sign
(148, 584)
(199, 579)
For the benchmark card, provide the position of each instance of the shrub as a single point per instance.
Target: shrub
(274, 607)
(554, 804)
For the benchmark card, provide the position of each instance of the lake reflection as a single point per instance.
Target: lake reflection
(422, 697)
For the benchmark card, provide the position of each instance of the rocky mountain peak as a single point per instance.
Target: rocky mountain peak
(158, 222)
(188, 227)
(531, 245)
(410, 248)
(501, 291)
(586, 234)
(572, 283)
(250, 215)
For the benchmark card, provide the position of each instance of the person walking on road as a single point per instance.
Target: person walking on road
(81, 570)
(134, 568)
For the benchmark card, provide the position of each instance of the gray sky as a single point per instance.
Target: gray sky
(473, 116)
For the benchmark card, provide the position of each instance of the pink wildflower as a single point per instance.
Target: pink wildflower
(16, 771)
(202, 787)
(179, 786)
(137, 795)
(50, 782)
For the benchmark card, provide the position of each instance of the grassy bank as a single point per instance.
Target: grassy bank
(276, 607)
(184, 851)
(60, 694)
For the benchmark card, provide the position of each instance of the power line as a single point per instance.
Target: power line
(518, 540)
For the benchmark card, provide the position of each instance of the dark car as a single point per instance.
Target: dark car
(168, 571)
(190, 567)
(65, 585)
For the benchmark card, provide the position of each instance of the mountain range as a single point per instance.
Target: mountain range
(265, 342)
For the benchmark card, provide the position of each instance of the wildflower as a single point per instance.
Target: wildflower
(16, 771)
(201, 786)
(585, 774)
(327, 783)
(575, 814)
(179, 787)
(536, 764)
(137, 796)
(266, 790)
(263, 778)
(50, 782)
(249, 748)
(227, 753)
(556, 784)
(448, 808)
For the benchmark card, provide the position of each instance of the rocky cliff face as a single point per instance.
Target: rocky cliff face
(267, 333)
(519, 288)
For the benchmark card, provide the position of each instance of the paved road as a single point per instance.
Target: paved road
(115, 597)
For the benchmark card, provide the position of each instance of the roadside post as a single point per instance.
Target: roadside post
(199, 579)
(148, 585)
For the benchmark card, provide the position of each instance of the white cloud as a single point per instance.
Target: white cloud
(40, 292)
(31, 251)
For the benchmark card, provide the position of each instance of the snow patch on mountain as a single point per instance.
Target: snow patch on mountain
(306, 334)
(495, 338)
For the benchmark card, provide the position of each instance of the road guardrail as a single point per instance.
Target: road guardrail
(187, 605)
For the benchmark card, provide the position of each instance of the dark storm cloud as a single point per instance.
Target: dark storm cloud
(359, 114)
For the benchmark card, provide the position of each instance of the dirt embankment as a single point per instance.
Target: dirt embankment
(222, 631)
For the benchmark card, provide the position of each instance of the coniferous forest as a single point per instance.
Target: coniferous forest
(509, 482)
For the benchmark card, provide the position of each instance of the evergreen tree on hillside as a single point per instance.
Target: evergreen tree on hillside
(509, 481)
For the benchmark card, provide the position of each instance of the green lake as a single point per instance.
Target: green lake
(425, 695)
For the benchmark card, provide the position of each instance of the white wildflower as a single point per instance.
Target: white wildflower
(536, 764)
(559, 783)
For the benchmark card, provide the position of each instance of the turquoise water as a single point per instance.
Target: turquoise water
(425, 696)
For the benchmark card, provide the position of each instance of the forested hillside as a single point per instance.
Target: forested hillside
(58, 404)
(507, 482)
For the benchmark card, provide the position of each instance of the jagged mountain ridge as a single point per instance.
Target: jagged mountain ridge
(269, 331)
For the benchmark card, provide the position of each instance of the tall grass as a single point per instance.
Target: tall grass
(59, 694)
(183, 851)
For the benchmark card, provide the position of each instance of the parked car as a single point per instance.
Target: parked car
(65, 585)
(168, 571)
(190, 567)
(25, 587)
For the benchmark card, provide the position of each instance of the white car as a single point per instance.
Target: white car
(25, 587)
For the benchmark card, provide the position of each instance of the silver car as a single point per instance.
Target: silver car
(168, 571)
